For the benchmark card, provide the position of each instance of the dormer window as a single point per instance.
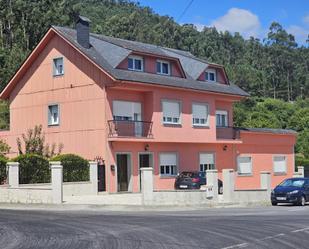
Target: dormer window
(210, 75)
(163, 67)
(135, 63)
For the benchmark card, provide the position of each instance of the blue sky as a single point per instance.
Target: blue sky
(249, 17)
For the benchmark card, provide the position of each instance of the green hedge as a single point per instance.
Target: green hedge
(75, 168)
(33, 168)
(3, 175)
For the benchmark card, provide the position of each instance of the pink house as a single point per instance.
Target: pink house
(137, 105)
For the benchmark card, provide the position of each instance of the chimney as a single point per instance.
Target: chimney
(82, 30)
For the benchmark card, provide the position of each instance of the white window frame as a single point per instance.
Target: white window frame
(222, 112)
(208, 71)
(251, 165)
(170, 166)
(134, 58)
(55, 69)
(50, 119)
(207, 166)
(206, 124)
(286, 166)
(161, 67)
(180, 112)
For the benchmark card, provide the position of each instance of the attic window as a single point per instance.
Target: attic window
(210, 75)
(58, 66)
(135, 63)
(163, 67)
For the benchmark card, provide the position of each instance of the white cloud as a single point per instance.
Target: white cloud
(300, 33)
(239, 20)
(306, 19)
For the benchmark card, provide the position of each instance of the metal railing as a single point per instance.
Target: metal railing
(232, 133)
(130, 128)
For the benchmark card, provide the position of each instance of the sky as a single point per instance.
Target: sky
(249, 17)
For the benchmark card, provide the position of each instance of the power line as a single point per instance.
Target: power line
(185, 10)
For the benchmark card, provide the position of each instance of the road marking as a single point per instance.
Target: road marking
(300, 230)
(236, 246)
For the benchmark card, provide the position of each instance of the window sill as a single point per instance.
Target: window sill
(52, 125)
(245, 175)
(135, 70)
(200, 126)
(172, 125)
(58, 75)
(164, 74)
(168, 176)
(221, 126)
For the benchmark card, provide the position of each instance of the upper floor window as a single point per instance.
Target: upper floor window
(126, 110)
(163, 67)
(207, 161)
(53, 114)
(135, 63)
(168, 164)
(58, 66)
(171, 112)
(200, 114)
(244, 165)
(221, 118)
(210, 75)
(279, 165)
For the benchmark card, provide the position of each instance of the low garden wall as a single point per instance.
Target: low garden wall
(251, 195)
(26, 195)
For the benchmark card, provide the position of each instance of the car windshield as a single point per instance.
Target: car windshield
(189, 174)
(292, 183)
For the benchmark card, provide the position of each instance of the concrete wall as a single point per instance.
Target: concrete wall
(254, 195)
(26, 195)
(77, 188)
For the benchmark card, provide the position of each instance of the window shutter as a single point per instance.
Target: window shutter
(207, 158)
(244, 165)
(170, 109)
(168, 159)
(279, 164)
(200, 111)
(125, 108)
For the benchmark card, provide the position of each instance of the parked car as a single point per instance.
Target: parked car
(194, 180)
(292, 190)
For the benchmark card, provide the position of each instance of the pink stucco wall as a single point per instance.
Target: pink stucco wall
(85, 95)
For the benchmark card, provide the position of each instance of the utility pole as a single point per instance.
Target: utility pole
(301, 92)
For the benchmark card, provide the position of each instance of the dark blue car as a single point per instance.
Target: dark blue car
(292, 190)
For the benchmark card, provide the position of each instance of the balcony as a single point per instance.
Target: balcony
(228, 133)
(130, 128)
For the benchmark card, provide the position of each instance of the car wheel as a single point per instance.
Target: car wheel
(273, 203)
(220, 190)
(302, 201)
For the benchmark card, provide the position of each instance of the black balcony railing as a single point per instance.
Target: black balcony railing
(228, 133)
(130, 128)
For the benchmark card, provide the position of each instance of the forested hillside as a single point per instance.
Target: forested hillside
(275, 67)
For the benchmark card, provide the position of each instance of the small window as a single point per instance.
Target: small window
(210, 75)
(135, 63)
(58, 67)
(244, 165)
(200, 115)
(207, 161)
(279, 163)
(163, 67)
(168, 164)
(171, 112)
(53, 115)
(221, 118)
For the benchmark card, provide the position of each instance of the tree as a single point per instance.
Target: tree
(34, 143)
(4, 148)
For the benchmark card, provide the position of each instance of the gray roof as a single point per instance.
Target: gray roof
(268, 130)
(108, 52)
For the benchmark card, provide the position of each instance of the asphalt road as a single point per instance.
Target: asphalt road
(264, 227)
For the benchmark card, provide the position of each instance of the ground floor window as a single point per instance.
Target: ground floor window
(207, 161)
(279, 163)
(244, 165)
(168, 164)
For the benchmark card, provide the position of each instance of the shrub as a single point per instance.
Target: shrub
(75, 168)
(301, 161)
(33, 168)
(3, 174)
